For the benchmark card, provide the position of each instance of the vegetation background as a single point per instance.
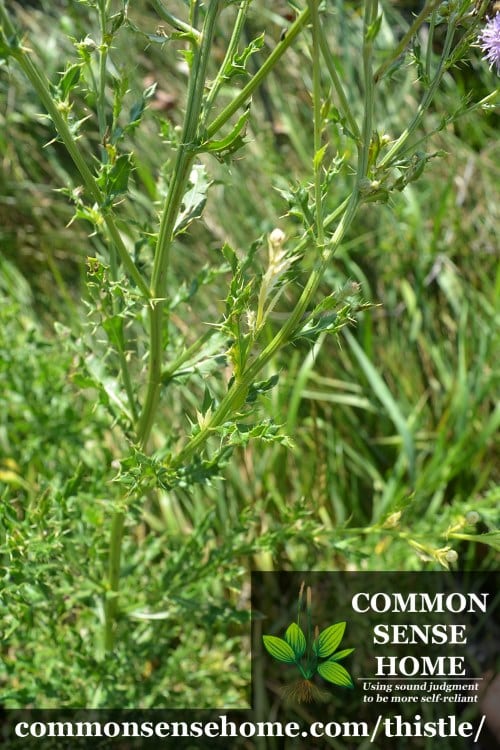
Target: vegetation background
(416, 375)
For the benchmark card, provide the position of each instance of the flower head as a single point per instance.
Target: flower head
(489, 41)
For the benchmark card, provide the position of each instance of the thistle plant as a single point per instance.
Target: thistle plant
(132, 354)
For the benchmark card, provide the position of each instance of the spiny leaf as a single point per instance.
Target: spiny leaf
(194, 199)
(69, 80)
(225, 147)
(237, 66)
(319, 156)
(231, 257)
(261, 386)
(117, 20)
(137, 109)
(113, 179)
(267, 431)
(373, 29)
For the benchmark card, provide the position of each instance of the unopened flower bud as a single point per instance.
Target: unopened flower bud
(392, 521)
(451, 556)
(277, 237)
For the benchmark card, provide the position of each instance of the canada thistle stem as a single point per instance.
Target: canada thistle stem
(180, 175)
(179, 179)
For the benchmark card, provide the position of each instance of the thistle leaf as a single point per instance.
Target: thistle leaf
(69, 80)
(232, 142)
(194, 199)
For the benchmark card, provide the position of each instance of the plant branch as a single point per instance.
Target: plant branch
(236, 395)
(413, 29)
(41, 85)
(344, 102)
(369, 25)
(318, 154)
(173, 200)
(101, 92)
(175, 22)
(397, 146)
(231, 51)
(247, 91)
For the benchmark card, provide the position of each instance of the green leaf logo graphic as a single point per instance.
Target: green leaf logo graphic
(279, 649)
(296, 639)
(329, 639)
(311, 652)
(341, 654)
(335, 673)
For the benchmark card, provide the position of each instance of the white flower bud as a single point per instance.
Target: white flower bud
(277, 237)
(451, 556)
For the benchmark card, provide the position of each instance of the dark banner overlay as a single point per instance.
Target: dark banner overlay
(339, 660)
(398, 659)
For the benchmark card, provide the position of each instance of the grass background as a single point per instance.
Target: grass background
(413, 383)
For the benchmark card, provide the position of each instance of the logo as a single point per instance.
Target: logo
(312, 652)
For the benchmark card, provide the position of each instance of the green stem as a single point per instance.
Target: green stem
(430, 45)
(398, 145)
(175, 22)
(344, 102)
(400, 48)
(101, 92)
(127, 382)
(169, 372)
(236, 395)
(180, 175)
(231, 50)
(257, 79)
(313, 8)
(42, 87)
(370, 17)
(147, 416)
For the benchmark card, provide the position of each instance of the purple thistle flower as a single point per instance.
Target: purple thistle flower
(489, 42)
